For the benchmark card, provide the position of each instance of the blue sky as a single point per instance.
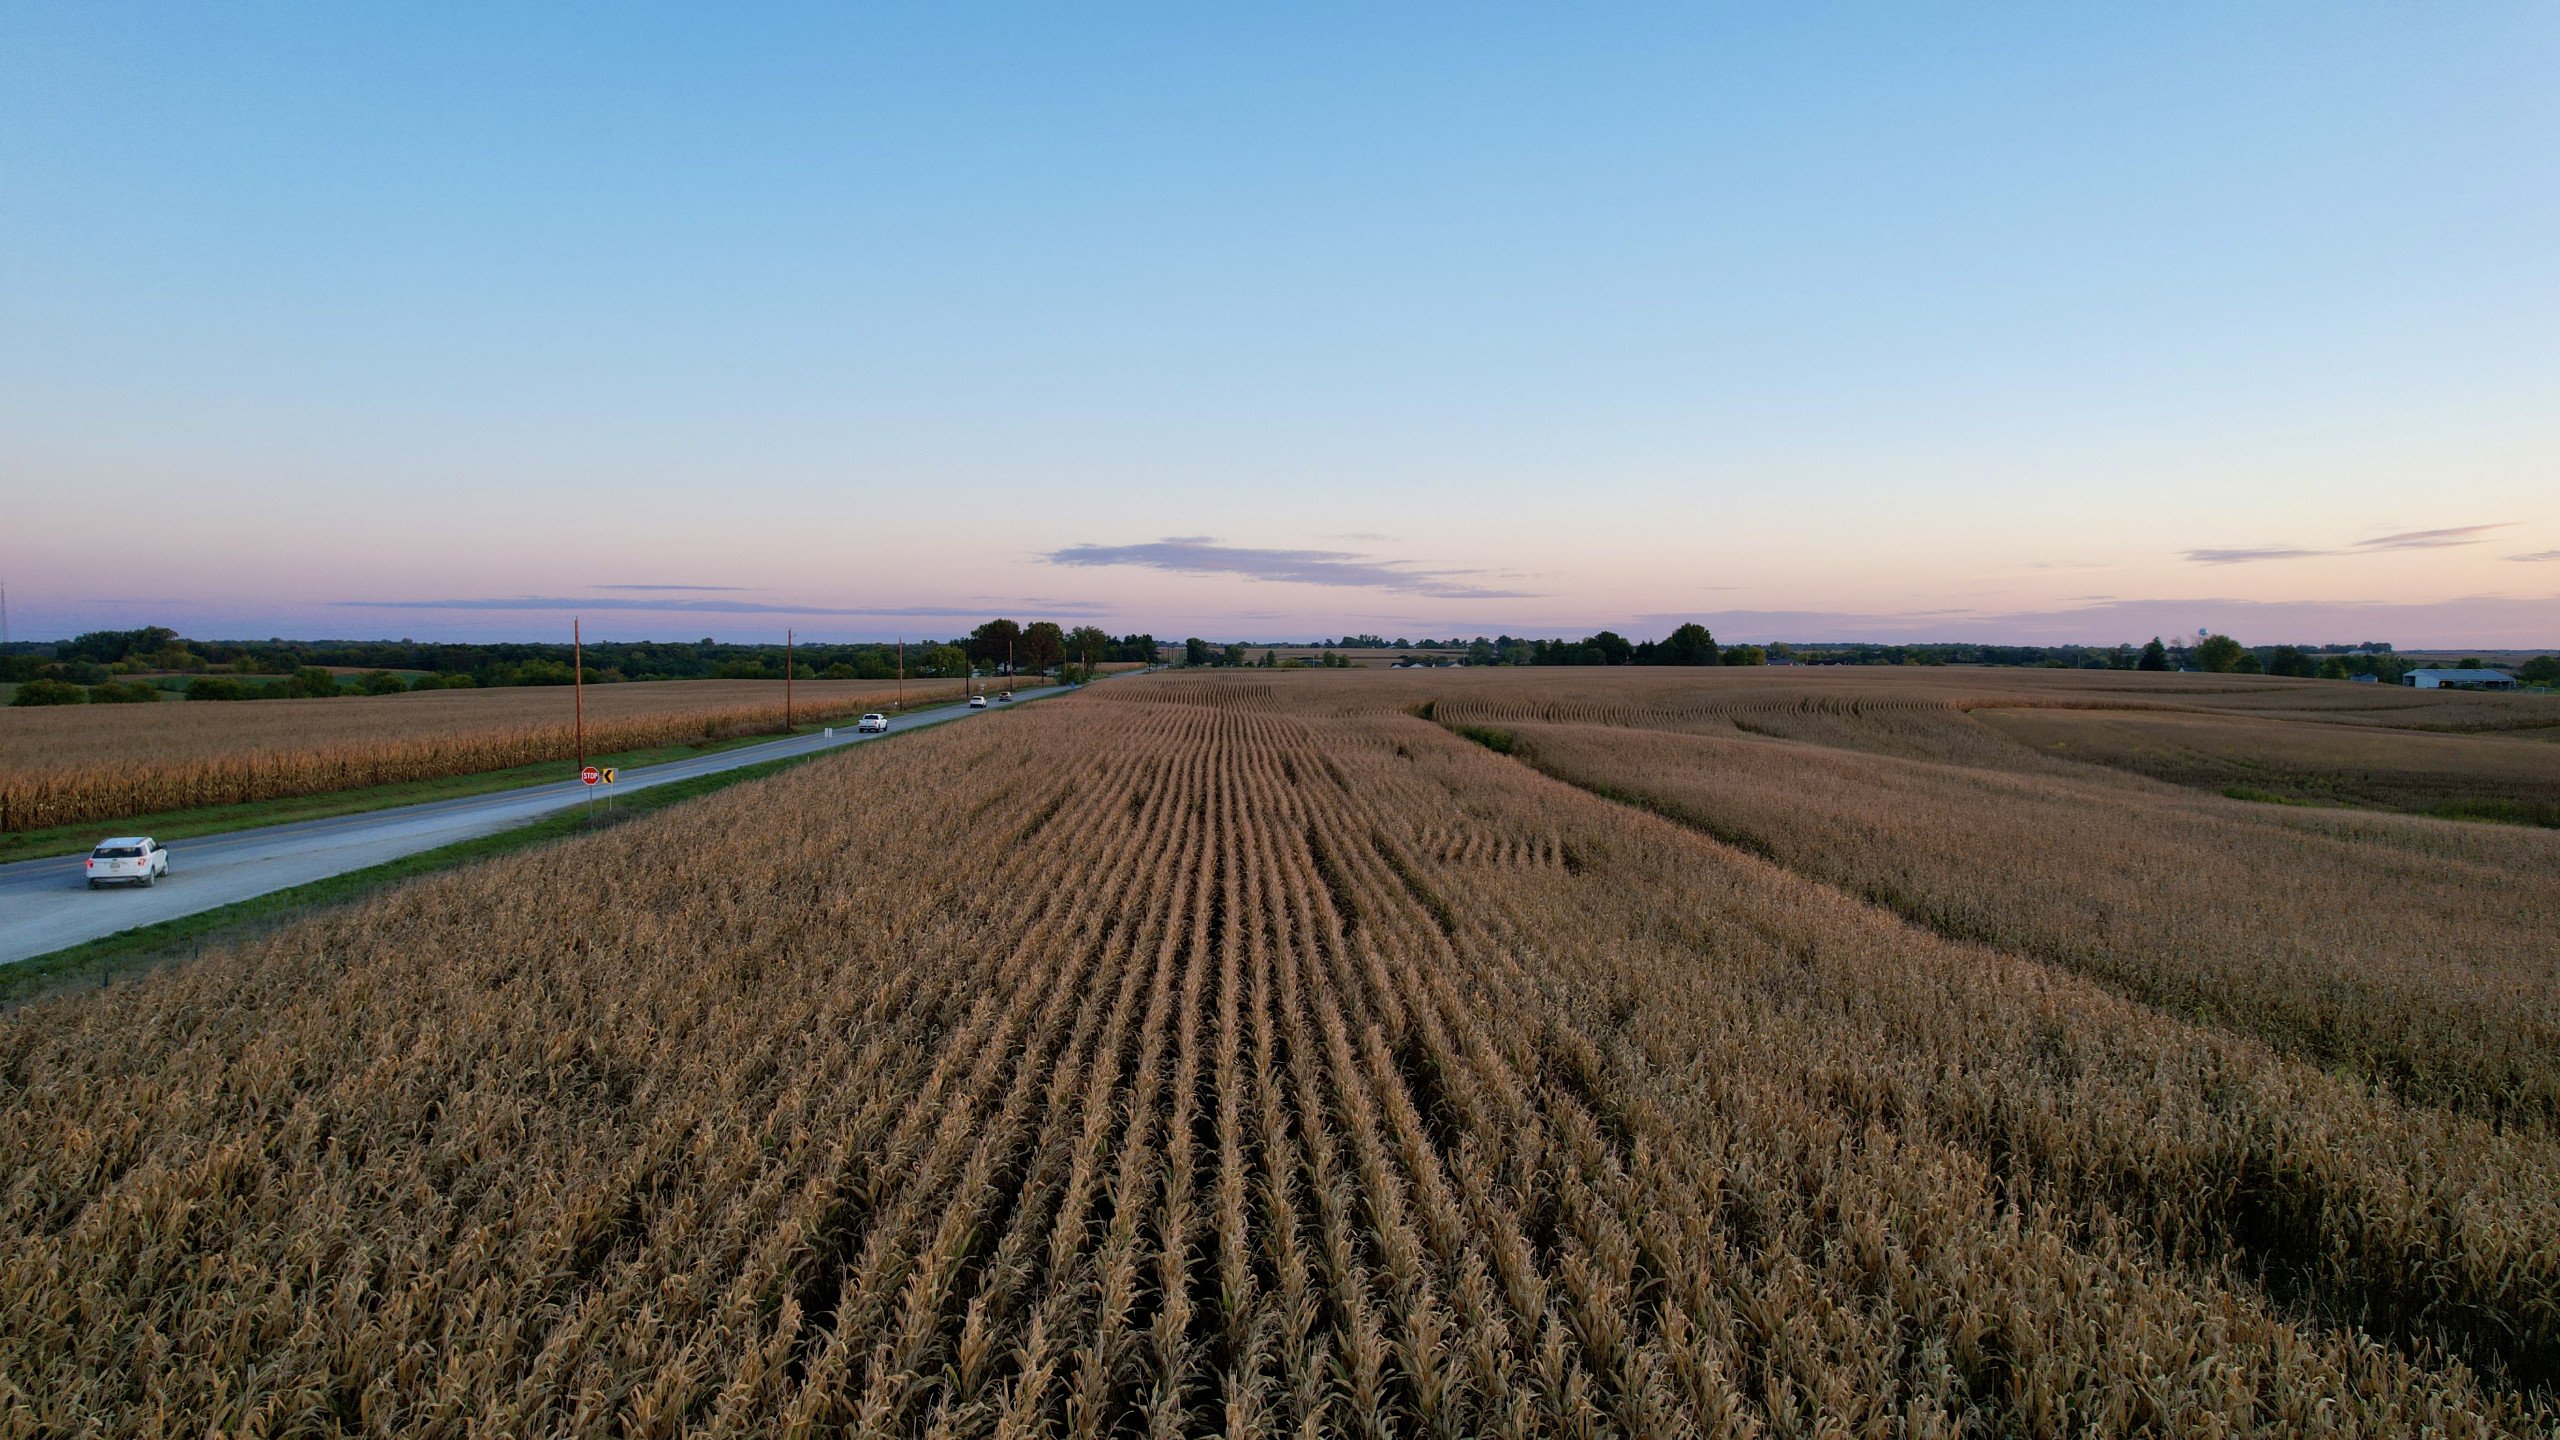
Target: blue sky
(1814, 322)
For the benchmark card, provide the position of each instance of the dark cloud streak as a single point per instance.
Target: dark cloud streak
(702, 607)
(2432, 539)
(1201, 555)
(2444, 539)
(2243, 557)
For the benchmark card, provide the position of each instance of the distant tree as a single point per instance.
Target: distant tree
(1613, 648)
(2219, 655)
(122, 692)
(1043, 645)
(943, 660)
(2540, 670)
(2471, 662)
(2334, 668)
(1195, 651)
(2155, 656)
(216, 687)
(1691, 644)
(109, 646)
(1745, 655)
(995, 642)
(312, 682)
(50, 692)
(2120, 658)
(2290, 660)
(1270, 659)
(380, 682)
(1088, 644)
(1232, 655)
(2249, 664)
(1402, 643)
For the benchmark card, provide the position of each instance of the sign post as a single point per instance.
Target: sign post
(578, 689)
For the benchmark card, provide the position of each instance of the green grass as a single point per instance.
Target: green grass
(131, 952)
(2257, 796)
(2503, 812)
(215, 819)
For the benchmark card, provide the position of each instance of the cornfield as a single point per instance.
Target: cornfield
(60, 766)
(1218, 1055)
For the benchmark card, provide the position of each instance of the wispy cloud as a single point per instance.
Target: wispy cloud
(2432, 539)
(1202, 555)
(699, 607)
(2444, 539)
(2243, 557)
(666, 587)
(2537, 556)
(2488, 621)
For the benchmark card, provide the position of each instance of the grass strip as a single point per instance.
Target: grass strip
(147, 947)
(74, 839)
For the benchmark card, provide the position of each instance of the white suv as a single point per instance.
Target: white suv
(133, 859)
(871, 725)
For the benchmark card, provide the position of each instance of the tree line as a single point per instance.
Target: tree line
(115, 666)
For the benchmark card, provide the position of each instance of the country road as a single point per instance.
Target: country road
(46, 905)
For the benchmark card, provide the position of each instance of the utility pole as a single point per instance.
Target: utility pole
(902, 674)
(4, 612)
(578, 688)
(786, 682)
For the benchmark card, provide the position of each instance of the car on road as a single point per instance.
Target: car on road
(872, 724)
(127, 860)
(1007, 695)
(977, 702)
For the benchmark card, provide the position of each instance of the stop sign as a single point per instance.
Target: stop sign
(589, 776)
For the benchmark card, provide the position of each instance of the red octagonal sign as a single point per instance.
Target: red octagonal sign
(590, 775)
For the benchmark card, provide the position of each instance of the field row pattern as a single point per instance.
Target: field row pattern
(1195, 1080)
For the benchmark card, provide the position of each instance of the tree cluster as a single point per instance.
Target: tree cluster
(101, 666)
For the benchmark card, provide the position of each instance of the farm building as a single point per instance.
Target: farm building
(2459, 679)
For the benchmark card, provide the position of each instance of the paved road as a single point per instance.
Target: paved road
(46, 905)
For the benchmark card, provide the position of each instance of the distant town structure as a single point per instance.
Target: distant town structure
(2459, 679)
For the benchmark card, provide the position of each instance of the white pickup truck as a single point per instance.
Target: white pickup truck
(128, 859)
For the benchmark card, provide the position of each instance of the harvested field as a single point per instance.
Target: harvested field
(2320, 740)
(1248, 1056)
(2415, 952)
(60, 765)
(2507, 775)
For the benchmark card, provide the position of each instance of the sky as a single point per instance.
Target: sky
(2026, 323)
